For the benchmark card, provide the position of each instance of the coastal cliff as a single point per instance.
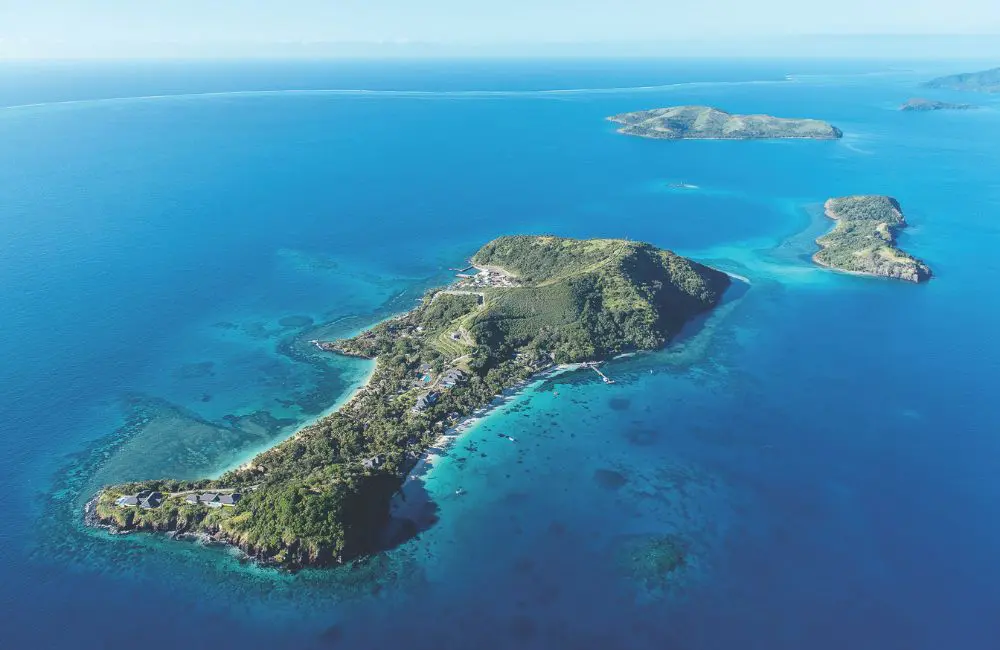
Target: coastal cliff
(864, 239)
(707, 123)
(322, 497)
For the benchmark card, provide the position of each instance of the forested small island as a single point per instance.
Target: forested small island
(322, 497)
(986, 81)
(707, 123)
(918, 104)
(864, 239)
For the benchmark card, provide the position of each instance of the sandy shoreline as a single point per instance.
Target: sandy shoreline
(246, 460)
(443, 441)
(479, 415)
(400, 505)
(736, 276)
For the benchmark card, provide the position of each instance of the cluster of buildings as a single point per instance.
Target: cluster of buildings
(488, 278)
(448, 380)
(153, 499)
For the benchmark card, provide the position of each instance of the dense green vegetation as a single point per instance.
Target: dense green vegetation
(705, 122)
(987, 81)
(323, 495)
(542, 259)
(863, 241)
(593, 298)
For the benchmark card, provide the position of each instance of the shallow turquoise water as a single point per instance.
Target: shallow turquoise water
(823, 447)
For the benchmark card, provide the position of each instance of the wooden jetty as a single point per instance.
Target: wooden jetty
(604, 378)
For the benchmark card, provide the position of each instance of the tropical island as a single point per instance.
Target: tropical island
(919, 104)
(864, 239)
(707, 123)
(323, 496)
(986, 81)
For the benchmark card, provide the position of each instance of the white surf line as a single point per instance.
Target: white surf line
(394, 93)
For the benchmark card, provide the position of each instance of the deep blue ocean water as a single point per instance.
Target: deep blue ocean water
(172, 235)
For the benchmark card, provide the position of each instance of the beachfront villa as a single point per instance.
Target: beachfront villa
(374, 462)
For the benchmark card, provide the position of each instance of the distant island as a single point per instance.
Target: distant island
(864, 239)
(707, 123)
(920, 104)
(986, 81)
(524, 305)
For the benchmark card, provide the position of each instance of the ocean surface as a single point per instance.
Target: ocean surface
(823, 451)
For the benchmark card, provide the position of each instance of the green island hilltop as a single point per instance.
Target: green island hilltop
(918, 104)
(864, 239)
(707, 123)
(986, 81)
(525, 304)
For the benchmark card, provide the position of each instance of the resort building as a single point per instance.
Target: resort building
(452, 377)
(144, 499)
(214, 500)
(424, 401)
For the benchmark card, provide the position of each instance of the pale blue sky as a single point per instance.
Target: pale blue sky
(46, 28)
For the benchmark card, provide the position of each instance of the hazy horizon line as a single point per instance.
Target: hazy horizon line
(911, 46)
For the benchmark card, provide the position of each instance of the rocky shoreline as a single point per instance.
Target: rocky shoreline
(295, 561)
